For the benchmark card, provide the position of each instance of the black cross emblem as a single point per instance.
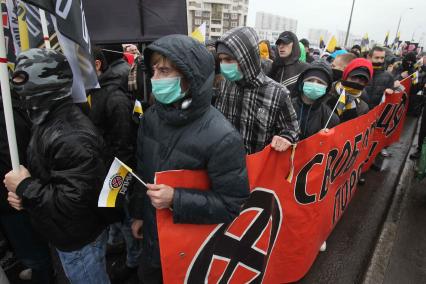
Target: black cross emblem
(241, 252)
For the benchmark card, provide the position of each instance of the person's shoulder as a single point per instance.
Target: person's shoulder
(272, 84)
(118, 96)
(362, 107)
(150, 116)
(301, 65)
(217, 121)
(388, 74)
(212, 128)
(71, 132)
(304, 64)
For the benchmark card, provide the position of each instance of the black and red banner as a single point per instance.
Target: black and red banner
(281, 227)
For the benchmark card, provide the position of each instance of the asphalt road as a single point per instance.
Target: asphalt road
(407, 263)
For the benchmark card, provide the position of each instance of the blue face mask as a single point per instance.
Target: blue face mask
(230, 71)
(314, 91)
(167, 91)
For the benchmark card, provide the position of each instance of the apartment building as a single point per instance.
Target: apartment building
(219, 15)
(269, 26)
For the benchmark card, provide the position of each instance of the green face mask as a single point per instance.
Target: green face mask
(167, 91)
(230, 71)
(314, 91)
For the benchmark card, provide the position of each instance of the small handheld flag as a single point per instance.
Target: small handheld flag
(200, 33)
(386, 40)
(137, 108)
(332, 44)
(116, 184)
(365, 42)
(415, 77)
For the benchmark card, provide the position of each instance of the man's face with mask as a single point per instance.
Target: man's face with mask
(378, 57)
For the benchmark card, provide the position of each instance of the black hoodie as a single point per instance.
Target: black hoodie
(196, 138)
(312, 118)
(287, 70)
(111, 112)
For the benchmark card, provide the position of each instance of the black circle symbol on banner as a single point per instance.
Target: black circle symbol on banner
(240, 252)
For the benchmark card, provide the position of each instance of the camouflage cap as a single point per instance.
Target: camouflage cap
(45, 72)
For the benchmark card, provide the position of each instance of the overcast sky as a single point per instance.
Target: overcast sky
(375, 17)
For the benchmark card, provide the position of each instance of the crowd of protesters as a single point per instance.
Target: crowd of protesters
(205, 107)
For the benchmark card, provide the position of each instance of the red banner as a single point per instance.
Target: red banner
(281, 227)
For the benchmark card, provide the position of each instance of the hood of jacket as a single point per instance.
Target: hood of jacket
(320, 66)
(110, 78)
(243, 42)
(197, 65)
(122, 68)
(295, 52)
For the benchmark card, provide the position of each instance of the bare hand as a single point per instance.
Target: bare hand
(389, 91)
(396, 84)
(280, 144)
(137, 229)
(15, 201)
(325, 130)
(161, 195)
(13, 178)
(404, 74)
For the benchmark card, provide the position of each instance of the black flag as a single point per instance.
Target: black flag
(70, 24)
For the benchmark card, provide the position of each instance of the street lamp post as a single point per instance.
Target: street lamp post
(414, 32)
(349, 25)
(399, 22)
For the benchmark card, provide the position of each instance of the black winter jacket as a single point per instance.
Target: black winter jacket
(313, 118)
(375, 89)
(198, 137)
(111, 113)
(23, 134)
(67, 173)
(286, 71)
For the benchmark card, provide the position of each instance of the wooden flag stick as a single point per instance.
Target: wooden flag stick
(7, 102)
(44, 28)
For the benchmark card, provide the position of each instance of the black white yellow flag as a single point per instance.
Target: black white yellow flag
(115, 185)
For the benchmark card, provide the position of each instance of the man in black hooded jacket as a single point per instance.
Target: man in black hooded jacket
(182, 130)
(111, 108)
(382, 80)
(313, 113)
(287, 66)
(66, 171)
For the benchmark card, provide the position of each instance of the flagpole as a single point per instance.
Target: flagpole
(131, 171)
(44, 28)
(409, 76)
(334, 109)
(349, 24)
(7, 103)
(145, 89)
